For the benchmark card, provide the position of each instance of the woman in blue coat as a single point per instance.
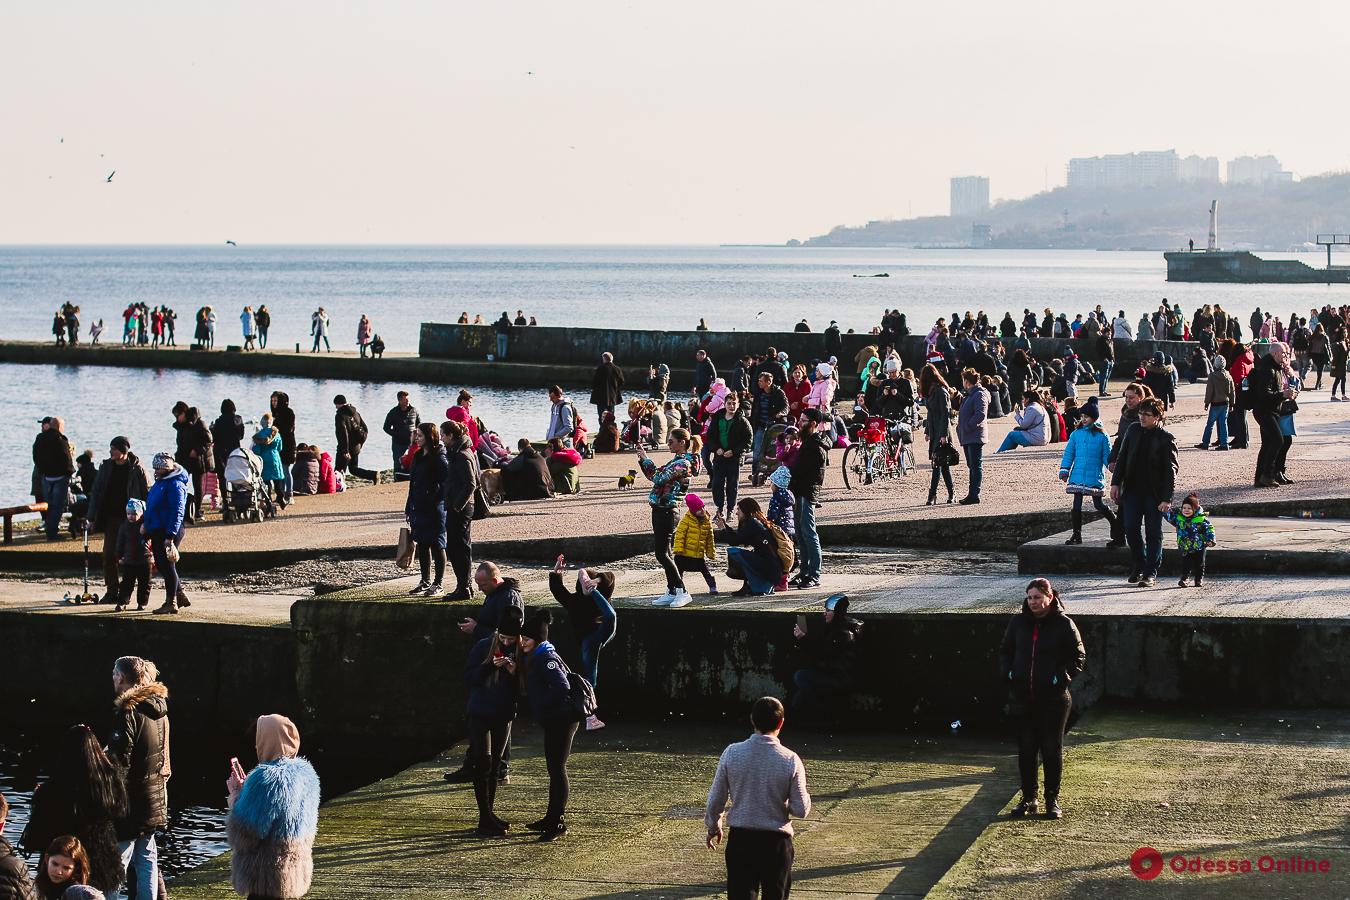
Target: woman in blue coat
(425, 508)
(1083, 469)
(550, 704)
(165, 516)
(267, 444)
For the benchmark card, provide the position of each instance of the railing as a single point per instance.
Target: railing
(1331, 240)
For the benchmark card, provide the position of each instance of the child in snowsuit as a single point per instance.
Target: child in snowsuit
(1195, 534)
(693, 543)
(133, 559)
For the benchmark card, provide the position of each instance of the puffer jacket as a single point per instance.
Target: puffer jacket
(267, 444)
(139, 743)
(305, 473)
(271, 829)
(670, 482)
(1041, 656)
(1158, 379)
(166, 502)
(546, 684)
(1193, 533)
(493, 692)
(694, 537)
(14, 881)
(1085, 457)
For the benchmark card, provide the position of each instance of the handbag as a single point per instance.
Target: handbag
(480, 504)
(946, 455)
(1288, 406)
(407, 548)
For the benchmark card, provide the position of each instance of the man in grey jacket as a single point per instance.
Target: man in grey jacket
(562, 417)
(970, 431)
(766, 783)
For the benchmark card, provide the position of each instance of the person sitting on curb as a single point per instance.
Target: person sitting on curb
(1031, 424)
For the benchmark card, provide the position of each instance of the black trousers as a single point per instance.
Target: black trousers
(663, 535)
(759, 864)
(1282, 455)
(1193, 564)
(110, 574)
(487, 743)
(353, 464)
(459, 544)
(135, 577)
(1040, 731)
(1271, 442)
(557, 748)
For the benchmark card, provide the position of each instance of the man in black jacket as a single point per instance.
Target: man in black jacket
(14, 881)
(139, 744)
(400, 423)
(606, 386)
(55, 462)
(808, 474)
(729, 436)
(351, 433)
(834, 342)
(460, 485)
(705, 373)
(121, 477)
(1143, 484)
(768, 406)
(1265, 386)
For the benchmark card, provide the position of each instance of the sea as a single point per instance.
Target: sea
(639, 287)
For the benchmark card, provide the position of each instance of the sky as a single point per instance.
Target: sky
(629, 122)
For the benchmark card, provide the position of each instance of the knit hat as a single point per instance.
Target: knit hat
(536, 626)
(824, 370)
(1193, 499)
(693, 501)
(120, 443)
(892, 365)
(164, 460)
(1089, 409)
(782, 356)
(1218, 362)
(136, 506)
(83, 892)
(511, 621)
(1159, 357)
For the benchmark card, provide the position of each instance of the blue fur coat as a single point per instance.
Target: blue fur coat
(271, 829)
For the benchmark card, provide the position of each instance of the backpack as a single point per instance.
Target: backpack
(580, 694)
(787, 554)
(359, 427)
(578, 426)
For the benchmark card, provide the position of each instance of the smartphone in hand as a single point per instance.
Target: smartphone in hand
(801, 622)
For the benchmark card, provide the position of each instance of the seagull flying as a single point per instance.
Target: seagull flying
(110, 175)
(232, 243)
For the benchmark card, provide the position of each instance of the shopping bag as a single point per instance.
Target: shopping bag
(406, 549)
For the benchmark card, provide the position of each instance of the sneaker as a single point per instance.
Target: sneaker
(807, 583)
(1199, 581)
(1074, 538)
(593, 724)
(1146, 581)
(1025, 808)
(503, 777)
(1182, 583)
(665, 599)
(421, 587)
(1052, 810)
(1223, 447)
(433, 590)
(459, 594)
(713, 592)
(1134, 578)
(489, 829)
(1202, 446)
(682, 598)
(967, 501)
(1114, 543)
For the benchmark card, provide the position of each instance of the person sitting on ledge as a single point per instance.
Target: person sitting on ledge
(1031, 424)
(563, 463)
(527, 477)
(827, 659)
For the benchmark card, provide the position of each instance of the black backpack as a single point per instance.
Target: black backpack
(580, 695)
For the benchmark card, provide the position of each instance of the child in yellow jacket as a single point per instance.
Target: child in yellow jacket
(693, 542)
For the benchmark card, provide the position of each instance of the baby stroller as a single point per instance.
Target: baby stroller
(249, 500)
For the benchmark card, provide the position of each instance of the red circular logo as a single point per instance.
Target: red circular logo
(1146, 863)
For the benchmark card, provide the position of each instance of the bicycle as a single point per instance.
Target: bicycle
(882, 451)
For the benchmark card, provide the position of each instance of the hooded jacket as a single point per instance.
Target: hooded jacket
(546, 684)
(1194, 532)
(14, 881)
(582, 608)
(1158, 378)
(139, 743)
(166, 503)
(227, 433)
(694, 537)
(350, 430)
(1219, 389)
(494, 605)
(1041, 657)
(271, 829)
(136, 487)
(493, 692)
(1085, 457)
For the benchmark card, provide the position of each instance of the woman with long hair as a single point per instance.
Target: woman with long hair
(283, 419)
(938, 426)
(83, 796)
(1042, 654)
(591, 614)
(492, 675)
(547, 686)
(753, 550)
(670, 482)
(425, 507)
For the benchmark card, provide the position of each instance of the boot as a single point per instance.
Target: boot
(487, 824)
(1077, 517)
(950, 494)
(1117, 530)
(182, 598)
(170, 609)
(1026, 808)
(552, 831)
(1052, 810)
(932, 497)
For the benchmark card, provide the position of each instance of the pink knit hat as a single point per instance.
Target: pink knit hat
(693, 501)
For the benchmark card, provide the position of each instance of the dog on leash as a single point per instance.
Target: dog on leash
(626, 481)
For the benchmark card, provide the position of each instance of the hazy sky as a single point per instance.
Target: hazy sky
(641, 123)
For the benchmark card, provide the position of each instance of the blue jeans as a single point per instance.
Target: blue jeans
(289, 480)
(975, 465)
(1104, 374)
(1218, 412)
(143, 855)
(56, 491)
(1014, 440)
(756, 448)
(808, 541)
(1145, 549)
(502, 340)
(754, 580)
(602, 635)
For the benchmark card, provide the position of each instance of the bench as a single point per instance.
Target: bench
(10, 512)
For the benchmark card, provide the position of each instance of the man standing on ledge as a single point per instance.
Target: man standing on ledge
(766, 783)
(503, 328)
(606, 386)
(705, 373)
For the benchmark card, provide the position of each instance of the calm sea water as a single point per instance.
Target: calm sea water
(747, 288)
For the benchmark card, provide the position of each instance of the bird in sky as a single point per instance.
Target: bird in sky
(758, 314)
(110, 175)
(232, 243)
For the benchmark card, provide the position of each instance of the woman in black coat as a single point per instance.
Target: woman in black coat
(753, 547)
(1042, 654)
(938, 427)
(84, 796)
(194, 452)
(492, 676)
(283, 420)
(425, 508)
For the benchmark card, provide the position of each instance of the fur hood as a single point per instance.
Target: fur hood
(152, 698)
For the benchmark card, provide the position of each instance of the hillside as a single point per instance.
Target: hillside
(1278, 216)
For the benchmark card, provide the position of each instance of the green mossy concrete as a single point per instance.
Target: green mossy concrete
(893, 816)
(890, 816)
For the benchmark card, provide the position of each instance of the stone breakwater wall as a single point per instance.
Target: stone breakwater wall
(635, 350)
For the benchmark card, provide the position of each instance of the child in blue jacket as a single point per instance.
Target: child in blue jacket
(1195, 534)
(1083, 470)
